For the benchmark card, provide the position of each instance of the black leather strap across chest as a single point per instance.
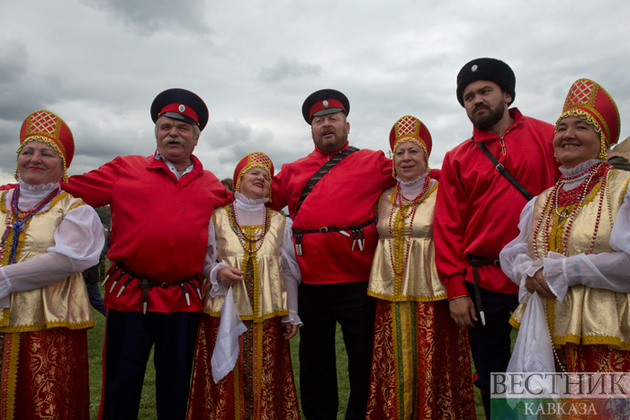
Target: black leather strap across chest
(356, 231)
(326, 167)
(499, 167)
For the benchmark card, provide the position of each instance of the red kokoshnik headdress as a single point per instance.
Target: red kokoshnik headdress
(48, 128)
(589, 101)
(411, 129)
(250, 161)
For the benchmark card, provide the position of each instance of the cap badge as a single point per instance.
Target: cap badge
(182, 108)
(474, 68)
(325, 104)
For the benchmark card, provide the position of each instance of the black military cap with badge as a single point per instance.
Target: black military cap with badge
(180, 104)
(324, 102)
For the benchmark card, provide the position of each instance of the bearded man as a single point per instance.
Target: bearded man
(478, 209)
(331, 195)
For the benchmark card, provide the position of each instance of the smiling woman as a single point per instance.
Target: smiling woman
(38, 163)
(251, 305)
(255, 184)
(576, 141)
(572, 257)
(420, 361)
(50, 237)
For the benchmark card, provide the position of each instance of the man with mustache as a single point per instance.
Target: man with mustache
(161, 207)
(335, 238)
(478, 208)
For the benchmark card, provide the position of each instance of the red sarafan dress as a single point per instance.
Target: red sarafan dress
(421, 360)
(46, 312)
(258, 241)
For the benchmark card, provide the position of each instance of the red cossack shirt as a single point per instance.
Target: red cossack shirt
(159, 225)
(345, 196)
(478, 209)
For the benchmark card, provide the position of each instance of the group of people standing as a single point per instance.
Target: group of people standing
(408, 261)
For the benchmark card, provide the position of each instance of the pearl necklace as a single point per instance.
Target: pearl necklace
(398, 233)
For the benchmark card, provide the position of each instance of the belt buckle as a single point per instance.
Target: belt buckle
(164, 285)
(323, 229)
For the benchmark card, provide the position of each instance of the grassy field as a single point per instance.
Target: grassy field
(147, 403)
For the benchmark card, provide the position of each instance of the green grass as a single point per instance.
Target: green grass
(147, 402)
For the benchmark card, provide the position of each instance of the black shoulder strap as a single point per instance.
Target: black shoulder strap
(499, 167)
(308, 187)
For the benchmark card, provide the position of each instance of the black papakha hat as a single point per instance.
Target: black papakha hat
(180, 104)
(323, 102)
(486, 69)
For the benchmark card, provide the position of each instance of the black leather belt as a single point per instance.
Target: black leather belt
(356, 232)
(145, 284)
(475, 262)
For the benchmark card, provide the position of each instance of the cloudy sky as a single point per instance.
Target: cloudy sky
(99, 63)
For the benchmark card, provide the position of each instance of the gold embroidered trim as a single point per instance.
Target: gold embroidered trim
(258, 362)
(22, 233)
(13, 372)
(403, 298)
(256, 319)
(4, 316)
(48, 325)
(557, 226)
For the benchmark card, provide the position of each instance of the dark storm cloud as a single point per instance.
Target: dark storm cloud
(21, 94)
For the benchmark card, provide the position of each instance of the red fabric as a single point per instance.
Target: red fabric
(261, 386)
(330, 103)
(588, 96)
(47, 124)
(52, 376)
(597, 358)
(159, 225)
(409, 126)
(346, 196)
(177, 108)
(441, 387)
(478, 209)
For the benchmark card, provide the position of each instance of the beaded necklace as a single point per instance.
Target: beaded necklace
(561, 198)
(18, 219)
(398, 232)
(248, 242)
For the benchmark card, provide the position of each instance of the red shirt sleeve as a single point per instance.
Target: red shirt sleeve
(278, 197)
(449, 231)
(95, 187)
